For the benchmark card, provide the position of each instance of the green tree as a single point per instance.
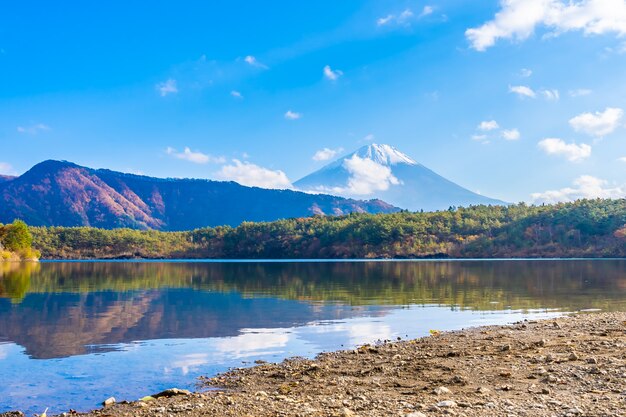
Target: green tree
(17, 237)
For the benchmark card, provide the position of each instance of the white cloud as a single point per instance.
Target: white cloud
(571, 151)
(236, 94)
(511, 134)
(585, 186)
(246, 173)
(369, 137)
(6, 168)
(33, 129)
(525, 91)
(404, 17)
(331, 74)
(522, 91)
(195, 157)
(254, 62)
(599, 123)
(292, 115)
(525, 72)
(517, 20)
(167, 87)
(622, 159)
(384, 20)
(367, 177)
(427, 10)
(326, 154)
(580, 92)
(488, 125)
(550, 95)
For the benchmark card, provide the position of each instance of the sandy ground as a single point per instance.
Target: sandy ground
(571, 366)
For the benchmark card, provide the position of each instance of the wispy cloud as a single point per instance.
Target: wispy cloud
(236, 94)
(331, 74)
(481, 138)
(194, 156)
(292, 115)
(511, 134)
(581, 92)
(247, 173)
(598, 124)
(33, 129)
(369, 137)
(326, 154)
(523, 91)
(251, 60)
(550, 95)
(488, 125)
(518, 19)
(525, 72)
(572, 151)
(167, 87)
(6, 168)
(404, 17)
(585, 186)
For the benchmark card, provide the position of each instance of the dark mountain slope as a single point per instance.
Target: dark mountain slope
(59, 193)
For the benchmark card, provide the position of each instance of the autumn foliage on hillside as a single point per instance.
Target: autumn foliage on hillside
(585, 228)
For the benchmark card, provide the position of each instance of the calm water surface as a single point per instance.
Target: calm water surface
(73, 334)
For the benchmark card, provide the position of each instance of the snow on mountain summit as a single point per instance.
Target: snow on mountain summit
(383, 155)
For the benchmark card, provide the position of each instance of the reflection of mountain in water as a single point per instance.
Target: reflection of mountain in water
(64, 309)
(64, 324)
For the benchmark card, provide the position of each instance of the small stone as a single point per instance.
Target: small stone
(108, 402)
(592, 360)
(505, 348)
(446, 404)
(346, 412)
(172, 392)
(573, 356)
(415, 414)
(545, 391)
(483, 390)
(442, 391)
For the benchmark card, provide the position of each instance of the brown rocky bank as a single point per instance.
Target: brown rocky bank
(571, 366)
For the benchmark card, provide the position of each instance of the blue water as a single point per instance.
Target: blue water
(73, 334)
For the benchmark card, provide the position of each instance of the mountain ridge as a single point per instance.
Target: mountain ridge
(62, 193)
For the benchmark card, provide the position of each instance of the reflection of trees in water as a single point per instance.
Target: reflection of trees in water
(468, 284)
(61, 309)
(15, 278)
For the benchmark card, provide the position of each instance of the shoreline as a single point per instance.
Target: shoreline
(569, 366)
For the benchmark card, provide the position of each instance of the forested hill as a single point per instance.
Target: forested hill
(586, 228)
(60, 193)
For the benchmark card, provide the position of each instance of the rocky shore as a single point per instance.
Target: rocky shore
(571, 366)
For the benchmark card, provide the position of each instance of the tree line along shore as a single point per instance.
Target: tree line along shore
(585, 228)
(16, 243)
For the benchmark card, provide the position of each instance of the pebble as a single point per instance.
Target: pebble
(446, 404)
(442, 391)
(108, 402)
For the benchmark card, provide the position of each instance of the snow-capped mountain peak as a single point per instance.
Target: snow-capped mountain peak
(383, 155)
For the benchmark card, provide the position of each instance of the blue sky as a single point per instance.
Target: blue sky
(510, 98)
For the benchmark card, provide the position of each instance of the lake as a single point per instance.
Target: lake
(75, 333)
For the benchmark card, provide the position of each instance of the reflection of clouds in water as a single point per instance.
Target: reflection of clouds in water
(4, 351)
(358, 331)
(254, 342)
(190, 361)
(368, 332)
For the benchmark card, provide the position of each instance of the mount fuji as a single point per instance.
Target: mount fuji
(383, 172)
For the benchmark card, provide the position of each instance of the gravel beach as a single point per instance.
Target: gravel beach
(570, 366)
